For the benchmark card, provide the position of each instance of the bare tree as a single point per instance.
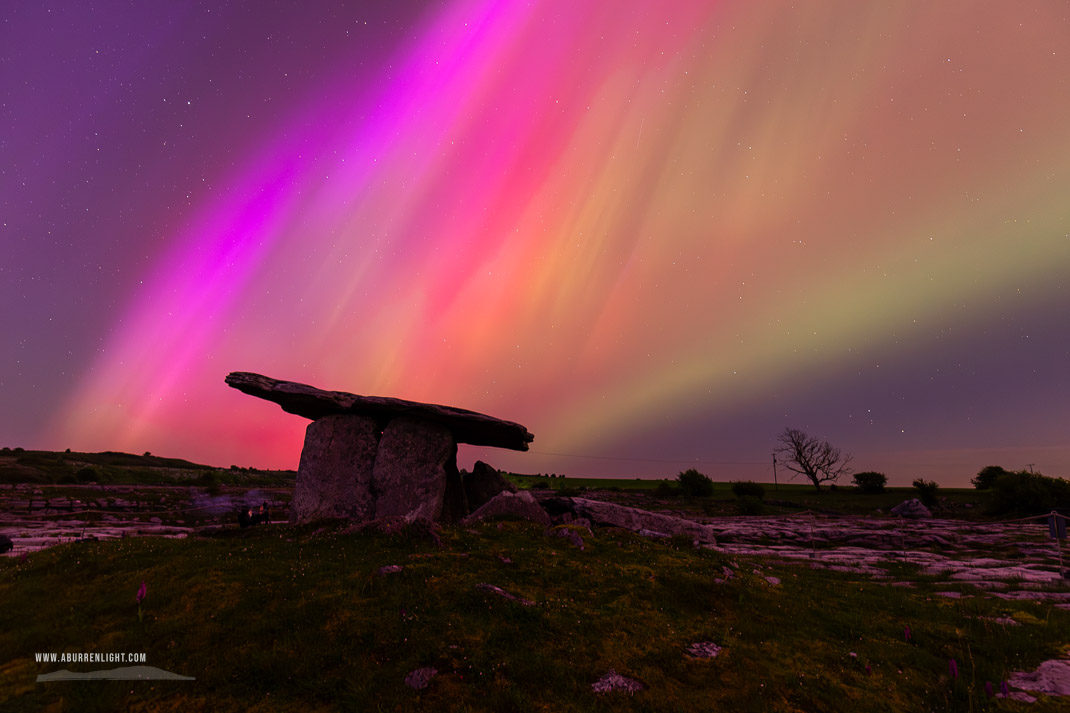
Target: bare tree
(805, 455)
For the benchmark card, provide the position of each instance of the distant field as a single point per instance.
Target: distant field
(57, 468)
(848, 500)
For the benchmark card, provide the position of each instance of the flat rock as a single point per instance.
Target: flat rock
(303, 400)
(492, 589)
(420, 679)
(613, 681)
(1052, 678)
(634, 519)
(703, 650)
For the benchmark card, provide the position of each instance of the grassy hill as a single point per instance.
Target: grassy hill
(285, 619)
(49, 467)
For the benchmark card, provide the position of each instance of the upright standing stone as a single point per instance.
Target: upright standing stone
(335, 475)
(415, 460)
(482, 484)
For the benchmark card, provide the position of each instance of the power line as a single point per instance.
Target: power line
(650, 460)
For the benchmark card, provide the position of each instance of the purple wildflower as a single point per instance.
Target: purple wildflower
(953, 668)
(868, 669)
(906, 633)
(141, 591)
(1003, 690)
(988, 688)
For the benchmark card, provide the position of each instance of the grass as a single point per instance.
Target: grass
(299, 619)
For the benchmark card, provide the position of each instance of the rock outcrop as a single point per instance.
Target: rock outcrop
(634, 519)
(913, 509)
(368, 457)
(522, 505)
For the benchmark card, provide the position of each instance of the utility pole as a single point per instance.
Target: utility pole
(1030, 466)
(775, 485)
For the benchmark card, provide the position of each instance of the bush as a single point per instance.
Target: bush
(540, 485)
(666, 489)
(750, 505)
(870, 482)
(926, 490)
(87, 475)
(986, 477)
(745, 488)
(1027, 493)
(694, 484)
(681, 542)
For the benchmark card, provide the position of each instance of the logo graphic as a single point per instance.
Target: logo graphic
(125, 673)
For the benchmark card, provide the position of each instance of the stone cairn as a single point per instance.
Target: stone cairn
(369, 457)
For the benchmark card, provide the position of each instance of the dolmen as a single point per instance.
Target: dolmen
(371, 457)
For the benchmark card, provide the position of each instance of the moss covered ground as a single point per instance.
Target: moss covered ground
(276, 618)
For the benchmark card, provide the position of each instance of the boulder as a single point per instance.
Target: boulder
(912, 508)
(420, 679)
(703, 650)
(335, 475)
(6, 545)
(483, 483)
(521, 505)
(613, 681)
(634, 519)
(413, 463)
(1052, 678)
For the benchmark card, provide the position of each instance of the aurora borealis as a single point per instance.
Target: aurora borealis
(654, 233)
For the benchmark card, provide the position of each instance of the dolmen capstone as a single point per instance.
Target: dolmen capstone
(369, 457)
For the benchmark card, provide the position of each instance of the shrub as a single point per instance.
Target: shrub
(750, 505)
(1026, 492)
(87, 475)
(681, 542)
(745, 488)
(986, 477)
(870, 482)
(666, 489)
(540, 485)
(926, 490)
(694, 484)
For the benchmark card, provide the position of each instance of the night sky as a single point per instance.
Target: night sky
(654, 233)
